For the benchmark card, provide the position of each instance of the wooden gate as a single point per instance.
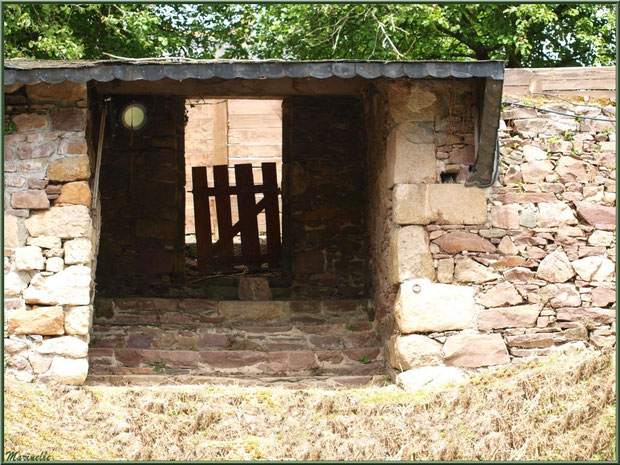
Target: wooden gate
(220, 256)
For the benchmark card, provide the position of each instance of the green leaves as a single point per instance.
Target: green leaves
(527, 35)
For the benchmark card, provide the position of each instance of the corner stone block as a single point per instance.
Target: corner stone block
(66, 92)
(422, 306)
(69, 287)
(69, 169)
(412, 351)
(78, 251)
(439, 203)
(78, 320)
(410, 255)
(67, 371)
(409, 162)
(475, 350)
(411, 205)
(65, 222)
(75, 193)
(69, 346)
(44, 321)
(458, 204)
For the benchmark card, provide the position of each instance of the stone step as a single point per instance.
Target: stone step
(290, 382)
(297, 336)
(123, 361)
(140, 311)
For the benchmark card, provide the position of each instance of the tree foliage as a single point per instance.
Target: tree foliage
(527, 35)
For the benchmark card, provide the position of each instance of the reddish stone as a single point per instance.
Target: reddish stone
(69, 119)
(139, 341)
(465, 155)
(326, 341)
(530, 341)
(521, 316)
(330, 356)
(598, 315)
(43, 151)
(509, 261)
(603, 296)
(475, 350)
(24, 152)
(14, 180)
(32, 199)
(198, 305)
(599, 216)
(128, 357)
(30, 122)
(357, 354)
(53, 189)
(459, 241)
(173, 357)
(212, 340)
(505, 216)
(232, 358)
(73, 147)
(294, 360)
(37, 183)
(519, 275)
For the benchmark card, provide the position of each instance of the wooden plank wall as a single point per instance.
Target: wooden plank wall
(595, 82)
(236, 130)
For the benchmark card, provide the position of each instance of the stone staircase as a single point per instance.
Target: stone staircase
(171, 341)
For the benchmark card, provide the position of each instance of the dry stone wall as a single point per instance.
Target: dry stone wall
(514, 270)
(49, 233)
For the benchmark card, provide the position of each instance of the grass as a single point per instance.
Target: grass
(559, 408)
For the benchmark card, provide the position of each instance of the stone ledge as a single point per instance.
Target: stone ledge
(439, 203)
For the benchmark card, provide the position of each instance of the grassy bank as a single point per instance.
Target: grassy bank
(560, 408)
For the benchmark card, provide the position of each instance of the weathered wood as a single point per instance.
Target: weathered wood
(254, 107)
(566, 82)
(220, 133)
(263, 120)
(246, 202)
(256, 135)
(224, 215)
(202, 217)
(272, 215)
(265, 88)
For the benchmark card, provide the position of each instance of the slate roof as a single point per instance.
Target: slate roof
(55, 71)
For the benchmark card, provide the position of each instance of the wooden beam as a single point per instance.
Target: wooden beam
(220, 133)
(221, 88)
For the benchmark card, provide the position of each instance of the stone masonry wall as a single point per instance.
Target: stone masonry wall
(421, 148)
(48, 232)
(515, 269)
(142, 201)
(325, 193)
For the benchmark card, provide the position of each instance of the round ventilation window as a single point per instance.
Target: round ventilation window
(133, 116)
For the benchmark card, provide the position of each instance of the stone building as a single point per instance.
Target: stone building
(397, 254)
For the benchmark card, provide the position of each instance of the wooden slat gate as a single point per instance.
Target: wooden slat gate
(220, 256)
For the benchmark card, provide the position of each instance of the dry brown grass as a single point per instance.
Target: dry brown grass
(561, 408)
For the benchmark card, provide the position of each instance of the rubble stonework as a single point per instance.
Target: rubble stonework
(49, 234)
(461, 277)
(538, 256)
